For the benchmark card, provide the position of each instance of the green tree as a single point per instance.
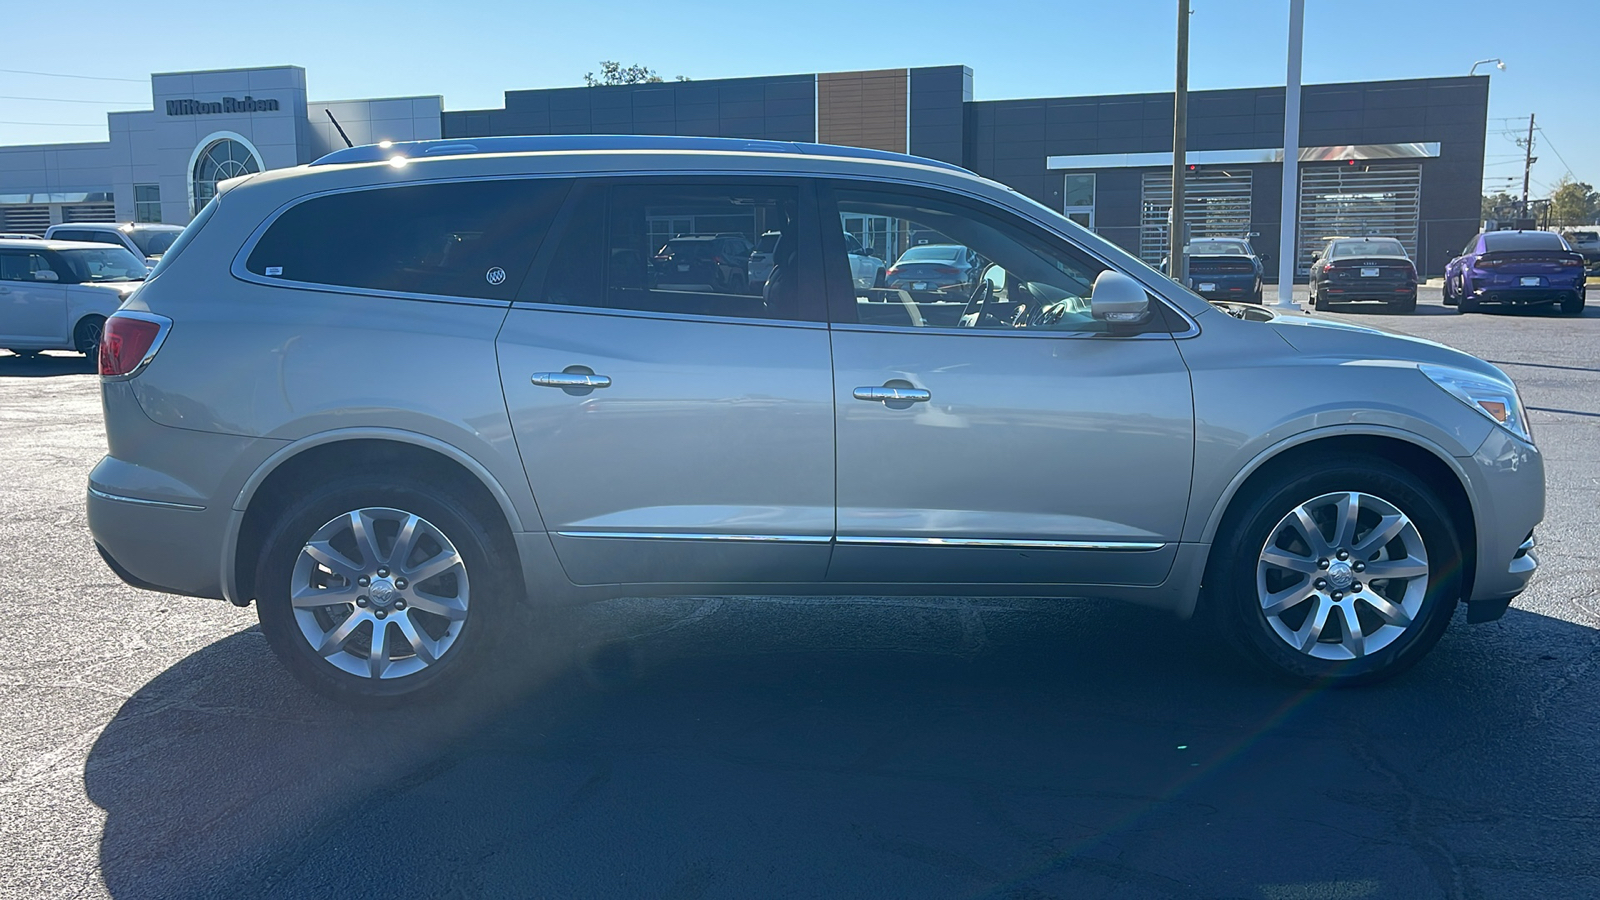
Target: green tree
(1574, 202)
(1498, 205)
(613, 72)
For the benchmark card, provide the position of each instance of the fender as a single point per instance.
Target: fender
(230, 541)
(1220, 508)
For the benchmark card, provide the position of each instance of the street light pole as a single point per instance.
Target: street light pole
(1287, 248)
(1180, 141)
(1527, 171)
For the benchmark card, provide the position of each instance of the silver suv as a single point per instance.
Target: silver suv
(403, 397)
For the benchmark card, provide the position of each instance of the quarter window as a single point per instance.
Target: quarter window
(458, 239)
(954, 266)
(684, 249)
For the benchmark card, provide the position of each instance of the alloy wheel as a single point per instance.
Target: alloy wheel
(1342, 576)
(372, 573)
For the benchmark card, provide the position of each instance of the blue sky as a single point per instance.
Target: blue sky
(470, 52)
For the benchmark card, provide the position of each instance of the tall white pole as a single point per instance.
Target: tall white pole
(1291, 157)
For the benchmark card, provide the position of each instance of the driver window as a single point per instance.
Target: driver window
(943, 264)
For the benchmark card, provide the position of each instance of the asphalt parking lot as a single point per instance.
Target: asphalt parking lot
(150, 746)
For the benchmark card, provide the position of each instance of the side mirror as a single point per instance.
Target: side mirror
(1118, 299)
(1264, 257)
(46, 275)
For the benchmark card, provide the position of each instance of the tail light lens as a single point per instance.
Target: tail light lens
(1488, 262)
(1570, 262)
(946, 270)
(129, 341)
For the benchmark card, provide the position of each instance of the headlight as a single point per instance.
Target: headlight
(1496, 399)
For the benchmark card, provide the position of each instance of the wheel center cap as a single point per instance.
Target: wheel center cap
(382, 591)
(1340, 575)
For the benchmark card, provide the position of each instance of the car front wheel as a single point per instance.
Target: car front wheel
(1347, 575)
(372, 591)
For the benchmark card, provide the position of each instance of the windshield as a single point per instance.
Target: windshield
(154, 241)
(1523, 240)
(1386, 247)
(103, 264)
(1218, 248)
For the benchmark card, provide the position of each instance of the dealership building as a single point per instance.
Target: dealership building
(1397, 158)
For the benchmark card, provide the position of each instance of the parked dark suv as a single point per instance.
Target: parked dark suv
(707, 262)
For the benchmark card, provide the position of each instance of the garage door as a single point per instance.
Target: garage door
(1343, 200)
(1216, 203)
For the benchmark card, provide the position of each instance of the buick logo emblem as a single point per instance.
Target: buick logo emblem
(1340, 575)
(495, 275)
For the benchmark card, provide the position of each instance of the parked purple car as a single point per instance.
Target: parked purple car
(1516, 267)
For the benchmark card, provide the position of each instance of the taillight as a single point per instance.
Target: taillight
(129, 341)
(1326, 268)
(1569, 262)
(1487, 262)
(946, 270)
(893, 271)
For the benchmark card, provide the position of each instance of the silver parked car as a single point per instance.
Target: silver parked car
(402, 396)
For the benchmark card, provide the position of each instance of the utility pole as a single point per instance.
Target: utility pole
(1527, 170)
(1180, 140)
(1288, 251)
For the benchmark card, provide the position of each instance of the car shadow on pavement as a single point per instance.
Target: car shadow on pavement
(46, 365)
(893, 748)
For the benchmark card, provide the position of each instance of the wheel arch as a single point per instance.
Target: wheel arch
(329, 455)
(1432, 464)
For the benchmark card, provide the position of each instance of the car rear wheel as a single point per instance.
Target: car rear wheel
(86, 337)
(1572, 304)
(1405, 305)
(1347, 575)
(1466, 303)
(374, 591)
(1319, 303)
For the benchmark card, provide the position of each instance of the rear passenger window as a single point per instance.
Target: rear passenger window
(678, 249)
(458, 239)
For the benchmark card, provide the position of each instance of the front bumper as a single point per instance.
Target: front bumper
(1506, 480)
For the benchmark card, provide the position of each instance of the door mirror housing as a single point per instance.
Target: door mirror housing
(46, 275)
(1118, 299)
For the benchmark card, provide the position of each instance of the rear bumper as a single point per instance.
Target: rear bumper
(1224, 287)
(160, 504)
(1521, 295)
(1369, 289)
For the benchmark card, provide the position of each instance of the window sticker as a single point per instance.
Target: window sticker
(274, 270)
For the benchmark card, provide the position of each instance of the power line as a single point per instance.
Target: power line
(64, 75)
(1553, 149)
(59, 124)
(70, 100)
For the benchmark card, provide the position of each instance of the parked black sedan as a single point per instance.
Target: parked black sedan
(1224, 269)
(1350, 270)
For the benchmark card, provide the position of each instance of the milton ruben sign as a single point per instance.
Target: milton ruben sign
(218, 107)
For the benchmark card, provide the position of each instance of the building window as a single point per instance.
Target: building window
(1078, 199)
(147, 203)
(221, 160)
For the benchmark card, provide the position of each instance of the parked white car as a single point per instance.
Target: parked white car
(57, 295)
(866, 268)
(146, 241)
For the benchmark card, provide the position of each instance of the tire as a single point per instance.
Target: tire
(1572, 305)
(1449, 294)
(479, 589)
(1405, 306)
(86, 336)
(1236, 581)
(1467, 304)
(1256, 297)
(877, 279)
(1320, 304)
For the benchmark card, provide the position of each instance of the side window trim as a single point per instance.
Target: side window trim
(841, 295)
(598, 189)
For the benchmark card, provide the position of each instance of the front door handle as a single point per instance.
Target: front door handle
(892, 394)
(571, 380)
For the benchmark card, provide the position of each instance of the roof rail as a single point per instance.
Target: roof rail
(386, 150)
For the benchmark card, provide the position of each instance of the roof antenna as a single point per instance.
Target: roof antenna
(336, 125)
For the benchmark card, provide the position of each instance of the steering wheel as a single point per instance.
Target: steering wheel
(975, 303)
(1049, 314)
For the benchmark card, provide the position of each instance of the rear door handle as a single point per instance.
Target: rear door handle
(570, 380)
(892, 394)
